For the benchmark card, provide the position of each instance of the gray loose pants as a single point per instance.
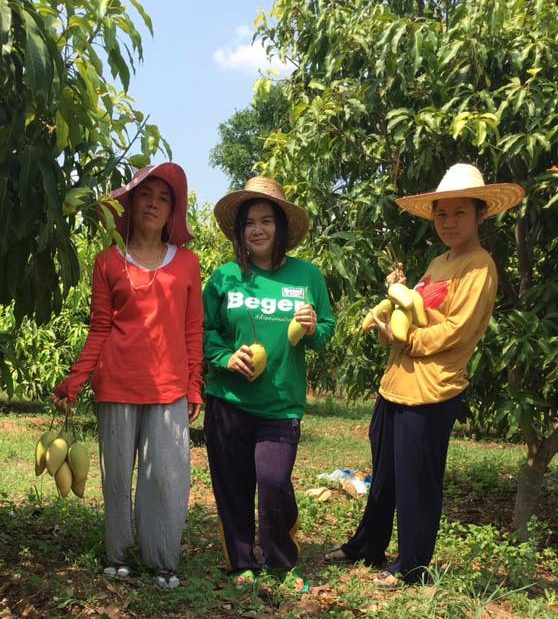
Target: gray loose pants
(159, 435)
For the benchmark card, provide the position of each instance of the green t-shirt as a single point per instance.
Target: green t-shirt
(235, 305)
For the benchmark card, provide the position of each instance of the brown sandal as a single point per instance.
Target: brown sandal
(386, 581)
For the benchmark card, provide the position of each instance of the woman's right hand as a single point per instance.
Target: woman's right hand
(241, 362)
(398, 275)
(61, 404)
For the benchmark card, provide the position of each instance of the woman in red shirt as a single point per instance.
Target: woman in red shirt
(144, 357)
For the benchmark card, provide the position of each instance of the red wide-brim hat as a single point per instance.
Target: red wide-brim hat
(178, 228)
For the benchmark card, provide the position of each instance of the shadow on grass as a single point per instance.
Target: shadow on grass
(339, 409)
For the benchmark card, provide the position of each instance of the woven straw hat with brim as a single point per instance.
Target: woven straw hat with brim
(175, 177)
(267, 189)
(465, 180)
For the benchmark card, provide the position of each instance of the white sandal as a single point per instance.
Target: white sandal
(167, 580)
(122, 571)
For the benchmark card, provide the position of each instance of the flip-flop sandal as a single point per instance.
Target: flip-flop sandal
(120, 571)
(295, 582)
(243, 578)
(386, 581)
(337, 556)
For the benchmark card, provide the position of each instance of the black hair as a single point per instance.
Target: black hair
(480, 205)
(279, 243)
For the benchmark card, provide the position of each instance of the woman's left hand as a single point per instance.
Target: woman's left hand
(384, 327)
(194, 411)
(307, 317)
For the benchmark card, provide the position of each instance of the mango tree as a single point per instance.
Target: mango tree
(67, 134)
(387, 95)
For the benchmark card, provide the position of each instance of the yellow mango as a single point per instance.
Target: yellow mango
(56, 454)
(419, 313)
(384, 307)
(296, 332)
(78, 488)
(63, 479)
(41, 449)
(368, 322)
(400, 323)
(400, 295)
(78, 459)
(259, 358)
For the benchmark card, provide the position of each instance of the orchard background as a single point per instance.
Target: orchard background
(385, 96)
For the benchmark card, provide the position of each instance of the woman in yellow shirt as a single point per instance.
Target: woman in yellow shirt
(421, 391)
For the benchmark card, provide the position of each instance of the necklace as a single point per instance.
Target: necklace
(150, 282)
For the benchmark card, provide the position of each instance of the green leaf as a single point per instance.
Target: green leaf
(146, 19)
(38, 63)
(62, 132)
(5, 25)
(77, 197)
(138, 161)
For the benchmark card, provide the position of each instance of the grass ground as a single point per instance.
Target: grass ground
(51, 549)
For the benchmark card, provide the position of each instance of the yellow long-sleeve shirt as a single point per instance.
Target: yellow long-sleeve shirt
(459, 295)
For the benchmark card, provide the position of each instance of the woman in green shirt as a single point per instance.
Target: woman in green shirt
(252, 417)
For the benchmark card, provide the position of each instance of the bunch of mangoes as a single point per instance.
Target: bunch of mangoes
(65, 459)
(403, 307)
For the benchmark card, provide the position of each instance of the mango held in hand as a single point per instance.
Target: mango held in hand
(259, 358)
(405, 307)
(384, 307)
(400, 323)
(400, 295)
(56, 454)
(41, 449)
(296, 332)
(419, 313)
(78, 488)
(78, 459)
(64, 479)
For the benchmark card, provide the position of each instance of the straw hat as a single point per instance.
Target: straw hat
(267, 189)
(465, 180)
(174, 176)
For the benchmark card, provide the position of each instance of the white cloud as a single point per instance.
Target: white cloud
(248, 58)
(243, 32)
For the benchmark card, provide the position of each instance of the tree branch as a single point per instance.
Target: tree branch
(525, 261)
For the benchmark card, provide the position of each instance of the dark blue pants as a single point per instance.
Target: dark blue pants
(409, 450)
(246, 452)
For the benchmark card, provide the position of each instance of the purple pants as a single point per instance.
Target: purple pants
(246, 452)
(409, 449)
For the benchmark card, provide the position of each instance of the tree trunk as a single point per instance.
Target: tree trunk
(539, 455)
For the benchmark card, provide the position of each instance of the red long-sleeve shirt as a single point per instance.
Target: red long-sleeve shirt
(144, 345)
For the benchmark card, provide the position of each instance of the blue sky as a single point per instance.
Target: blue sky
(198, 68)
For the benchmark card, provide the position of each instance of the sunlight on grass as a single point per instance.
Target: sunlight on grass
(51, 549)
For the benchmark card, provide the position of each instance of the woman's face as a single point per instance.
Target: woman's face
(456, 222)
(152, 203)
(259, 232)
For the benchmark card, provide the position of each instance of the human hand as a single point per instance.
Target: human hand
(194, 411)
(384, 329)
(397, 275)
(241, 362)
(62, 404)
(307, 317)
